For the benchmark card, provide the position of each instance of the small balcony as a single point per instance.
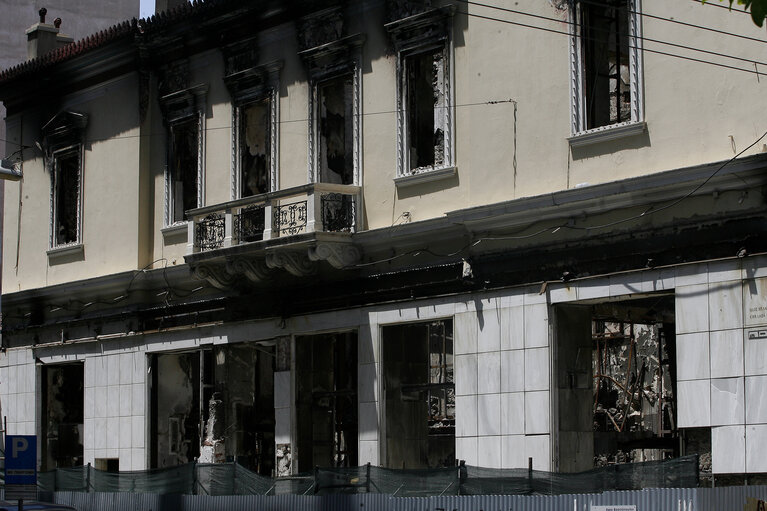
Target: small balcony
(319, 207)
(254, 238)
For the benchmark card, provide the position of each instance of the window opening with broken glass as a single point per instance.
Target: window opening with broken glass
(420, 394)
(184, 168)
(254, 147)
(326, 400)
(426, 90)
(605, 39)
(66, 196)
(335, 130)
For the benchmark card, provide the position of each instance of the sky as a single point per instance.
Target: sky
(146, 8)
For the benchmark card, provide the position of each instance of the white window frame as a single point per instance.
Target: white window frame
(198, 114)
(273, 142)
(427, 31)
(580, 134)
(315, 170)
(248, 86)
(54, 160)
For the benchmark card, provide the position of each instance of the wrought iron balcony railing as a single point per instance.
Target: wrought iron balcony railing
(319, 207)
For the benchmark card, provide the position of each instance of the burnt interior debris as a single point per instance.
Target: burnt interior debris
(425, 78)
(66, 192)
(616, 382)
(214, 405)
(605, 40)
(420, 394)
(336, 130)
(255, 139)
(326, 400)
(183, 171)
(62, 410)
(176, 408)
(634, 400)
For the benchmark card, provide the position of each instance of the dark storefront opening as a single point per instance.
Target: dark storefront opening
(616, 376)
(326, 400)
(420, 394)
(214, 404)
(62, 412)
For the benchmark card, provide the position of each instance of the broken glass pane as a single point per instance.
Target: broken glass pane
(254, 148)
(183, 171)
(336, 130)
(67, 190)
(606, 58)
(426, 90)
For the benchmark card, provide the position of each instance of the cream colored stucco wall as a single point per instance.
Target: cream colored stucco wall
(512, 121)
(109, 193)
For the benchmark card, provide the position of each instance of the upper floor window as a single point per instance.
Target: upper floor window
(66, 196)
(63, 145)
(606, 66)
(425, 120)
(255, 105)
(254, 135)
(183, 168)
(184, 115)
(333, 64)
(426, 109)
(335, 132)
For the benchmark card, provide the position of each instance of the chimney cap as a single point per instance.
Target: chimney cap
(42, 12)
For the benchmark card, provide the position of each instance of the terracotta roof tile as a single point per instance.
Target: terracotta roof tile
(147, 26)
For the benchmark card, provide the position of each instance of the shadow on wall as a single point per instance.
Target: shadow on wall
(611, 146)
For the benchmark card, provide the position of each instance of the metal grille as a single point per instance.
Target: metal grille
(338, 212)
(249, 224)
(209, 232)
(290, 218)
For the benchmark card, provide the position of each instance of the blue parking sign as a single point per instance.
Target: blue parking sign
(20, 459)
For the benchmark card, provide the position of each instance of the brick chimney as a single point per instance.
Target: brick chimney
(43, 37)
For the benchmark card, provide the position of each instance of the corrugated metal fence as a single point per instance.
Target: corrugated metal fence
(666, 499)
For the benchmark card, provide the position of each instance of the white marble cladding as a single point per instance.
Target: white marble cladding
(501, 368)
(116, 405)
(18, 382)
(721, 339)
(502, 379)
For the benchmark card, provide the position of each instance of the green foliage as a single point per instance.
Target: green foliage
(758, 9)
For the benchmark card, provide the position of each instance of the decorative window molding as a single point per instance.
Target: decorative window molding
(183, 111)
(63, 146)
(425, 92)
(335, 126)
(255, 116)
(607, 100)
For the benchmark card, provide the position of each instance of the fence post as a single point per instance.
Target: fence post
(463, 475)
(530, 473)
(367, 482)
(195, 481)
(88, 477)
(316, 477)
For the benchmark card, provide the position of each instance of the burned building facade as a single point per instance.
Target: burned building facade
(399, 233)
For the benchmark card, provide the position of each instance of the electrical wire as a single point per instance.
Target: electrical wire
(632, 46)
(683, 23)
(577, 26)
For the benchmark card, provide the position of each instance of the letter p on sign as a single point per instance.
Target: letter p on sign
(18, 444)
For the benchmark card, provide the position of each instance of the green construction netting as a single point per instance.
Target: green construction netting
(233, 479)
